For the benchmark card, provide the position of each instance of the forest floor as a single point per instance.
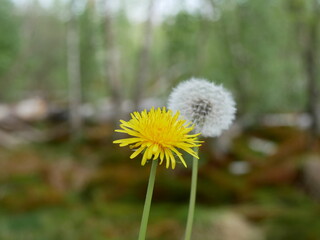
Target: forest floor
(92, 190)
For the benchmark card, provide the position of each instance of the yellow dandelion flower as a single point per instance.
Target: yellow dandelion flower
(159, 134)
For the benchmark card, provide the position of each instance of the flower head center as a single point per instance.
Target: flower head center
(200, 109)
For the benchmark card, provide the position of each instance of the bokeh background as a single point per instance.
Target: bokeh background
(70, 69)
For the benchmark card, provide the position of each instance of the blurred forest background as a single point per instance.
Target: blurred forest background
(69, 70)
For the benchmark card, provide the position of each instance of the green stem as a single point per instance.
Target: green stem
(192, 201)
(147, 203)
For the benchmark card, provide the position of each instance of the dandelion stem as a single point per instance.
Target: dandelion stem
(147, 203)
(192, 201)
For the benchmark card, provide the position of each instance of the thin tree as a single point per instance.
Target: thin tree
(310, 56)
(74, 75)
(97, 39)
(112, 62)
(144, 58)
(306, 25)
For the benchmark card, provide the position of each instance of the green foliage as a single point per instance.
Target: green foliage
(250, 46)
(8, 36)
(302, 226)
(298, 219)
(41, 63)
(90, 37)
(182, 39)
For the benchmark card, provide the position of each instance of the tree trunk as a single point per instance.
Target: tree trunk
(74, 76)
(306, 28)
(112, 62)
(310, 56)
(97, 39)
(144, 58)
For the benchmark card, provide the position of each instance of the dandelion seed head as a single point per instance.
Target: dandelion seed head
(159, 134)
(209, 106)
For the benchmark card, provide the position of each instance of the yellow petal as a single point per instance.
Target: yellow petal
(133, 155)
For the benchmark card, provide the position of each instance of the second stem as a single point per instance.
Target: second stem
(193, 192)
